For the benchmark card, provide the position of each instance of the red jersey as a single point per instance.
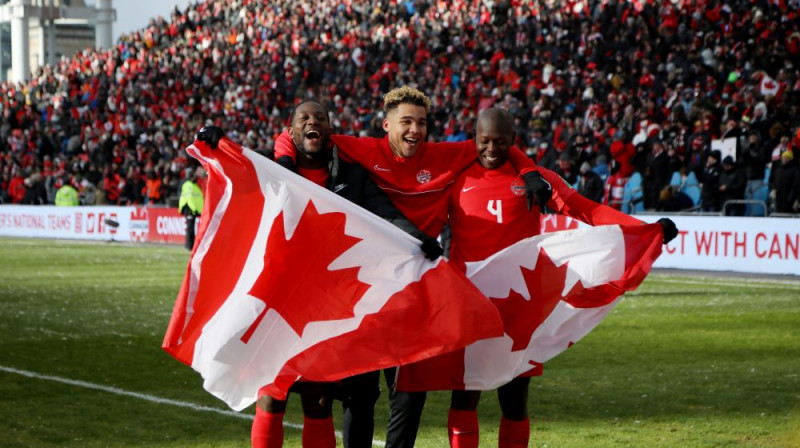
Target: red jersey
(317, 175)
(488, 212)
(416, 185)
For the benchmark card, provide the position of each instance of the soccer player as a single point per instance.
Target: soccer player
(319, 162)
(489, 212)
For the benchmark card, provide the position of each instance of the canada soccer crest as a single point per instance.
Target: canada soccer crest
(424, 176)
(139, 225)
(517, 187)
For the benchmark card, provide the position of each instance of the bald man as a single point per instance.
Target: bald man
(488, 212)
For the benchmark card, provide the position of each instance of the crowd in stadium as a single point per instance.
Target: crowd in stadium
(625, 99)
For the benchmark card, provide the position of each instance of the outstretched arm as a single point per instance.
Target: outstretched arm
(569, 202)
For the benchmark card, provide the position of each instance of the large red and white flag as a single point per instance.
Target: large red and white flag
(551, 290)
(289, 280)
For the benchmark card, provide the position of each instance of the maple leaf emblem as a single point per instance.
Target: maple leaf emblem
(296, 281)
(521, 317)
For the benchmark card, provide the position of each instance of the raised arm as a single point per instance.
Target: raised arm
(569, 202)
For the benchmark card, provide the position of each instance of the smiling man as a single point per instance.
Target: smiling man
(489, 211)
(310, 130)
(406, 121)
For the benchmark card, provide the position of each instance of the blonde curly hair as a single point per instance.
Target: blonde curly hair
(405, 95)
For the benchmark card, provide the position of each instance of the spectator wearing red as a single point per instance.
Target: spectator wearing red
(154, 188)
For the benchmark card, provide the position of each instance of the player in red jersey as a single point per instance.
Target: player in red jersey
(489, 212)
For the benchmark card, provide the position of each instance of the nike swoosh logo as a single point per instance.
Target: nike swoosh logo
(339, 188)
(466, 189)
(379, 168)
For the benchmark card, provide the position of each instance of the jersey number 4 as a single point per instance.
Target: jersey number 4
(495, 207)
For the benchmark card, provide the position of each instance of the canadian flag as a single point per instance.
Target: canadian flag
(551, 290)
(769, 86)
(289, 280)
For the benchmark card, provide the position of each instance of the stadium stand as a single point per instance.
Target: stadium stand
(633, 195)
(583, 74)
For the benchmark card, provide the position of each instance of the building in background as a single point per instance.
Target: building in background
(38, 32)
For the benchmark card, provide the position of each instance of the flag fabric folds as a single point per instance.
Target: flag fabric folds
(289, 280)
(551, 290)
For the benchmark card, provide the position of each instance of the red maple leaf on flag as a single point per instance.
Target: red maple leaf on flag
(521, 317)
(283, 284)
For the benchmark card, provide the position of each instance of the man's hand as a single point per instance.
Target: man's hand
(431, 248)
(211, 135)
(536, 186)
(670, 230)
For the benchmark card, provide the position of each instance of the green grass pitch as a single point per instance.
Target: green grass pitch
(685, 361)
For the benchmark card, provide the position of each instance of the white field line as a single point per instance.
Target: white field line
(716, 281)
(150, 398)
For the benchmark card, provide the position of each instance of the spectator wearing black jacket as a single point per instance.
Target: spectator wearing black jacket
(590, 185)
(35, 193)
(754, 163)
(732, 183)
(657, 172)
(709, 195)
(671, 199)
(566, 168)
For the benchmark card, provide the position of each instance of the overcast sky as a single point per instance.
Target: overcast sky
(134, 14)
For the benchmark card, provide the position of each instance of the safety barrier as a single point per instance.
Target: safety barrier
(103, 223)
(769, 245)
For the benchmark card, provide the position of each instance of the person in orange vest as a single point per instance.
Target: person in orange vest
(153, 189)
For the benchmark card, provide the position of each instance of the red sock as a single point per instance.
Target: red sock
(514, 433)
(318, 433)
(267, 431)
(462, 428)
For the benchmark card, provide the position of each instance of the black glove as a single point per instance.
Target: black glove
(536, 186)
(431, 248)
(210, 135)
(670, 230)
